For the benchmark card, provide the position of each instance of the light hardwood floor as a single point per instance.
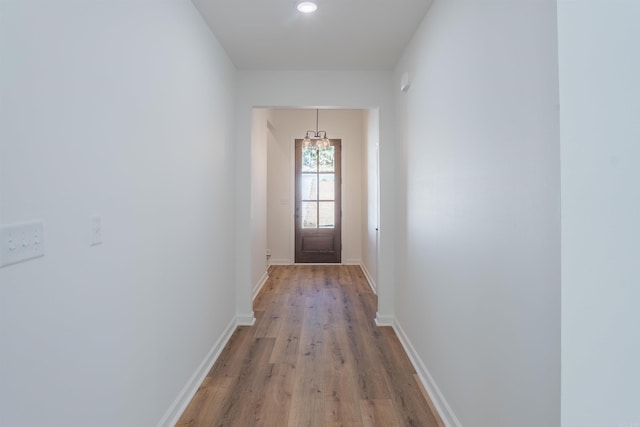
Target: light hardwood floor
(313, 358)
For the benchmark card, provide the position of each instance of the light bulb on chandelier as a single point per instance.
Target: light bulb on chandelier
(317, 138)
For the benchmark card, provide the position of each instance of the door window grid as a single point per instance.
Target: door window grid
(318, 187)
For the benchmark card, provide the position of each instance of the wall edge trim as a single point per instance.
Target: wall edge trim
(177, 408)
(367, 275)
(437, 398)
(245, 319)
(280, 261)
(384, 320)
(258, 286)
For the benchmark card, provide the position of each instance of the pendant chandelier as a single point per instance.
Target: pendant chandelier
(318, 138)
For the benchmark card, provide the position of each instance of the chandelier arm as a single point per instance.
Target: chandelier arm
(319, 137)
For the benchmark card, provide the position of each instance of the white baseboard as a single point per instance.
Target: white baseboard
(280, 261)
(245, 319)
(372, 283)
(260, 284)
(317, 263)
(446, 413)
(176, 409)
(352, 261)
(384, 320)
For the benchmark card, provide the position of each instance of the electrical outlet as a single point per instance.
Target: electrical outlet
(21, 242)
(96, 230)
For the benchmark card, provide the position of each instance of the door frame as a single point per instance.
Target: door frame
(292, 198)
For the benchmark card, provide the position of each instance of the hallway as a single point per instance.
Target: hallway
(500, 232)
(313, 358)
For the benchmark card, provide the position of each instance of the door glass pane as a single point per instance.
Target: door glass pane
(309, 186)
(309, 159)
(327, 186)
(327, 214)
(309, 214)
(327, 159)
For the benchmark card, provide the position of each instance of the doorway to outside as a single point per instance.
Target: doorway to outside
(318, 211)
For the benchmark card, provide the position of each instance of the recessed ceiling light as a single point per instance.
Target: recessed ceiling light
(306, 6)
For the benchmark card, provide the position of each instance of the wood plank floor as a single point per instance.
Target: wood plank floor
(313, 358)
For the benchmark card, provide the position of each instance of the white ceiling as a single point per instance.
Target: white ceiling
(340, 35)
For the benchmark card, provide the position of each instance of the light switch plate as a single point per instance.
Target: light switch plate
(21, 242)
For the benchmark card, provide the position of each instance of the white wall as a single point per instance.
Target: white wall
(370, 190)
(280, 203)
(340, 89)
(126, 111)
(600, 137)
(289, 124)
(479, 300)
(259, 198)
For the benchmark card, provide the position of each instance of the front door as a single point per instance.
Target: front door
(318, 212)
